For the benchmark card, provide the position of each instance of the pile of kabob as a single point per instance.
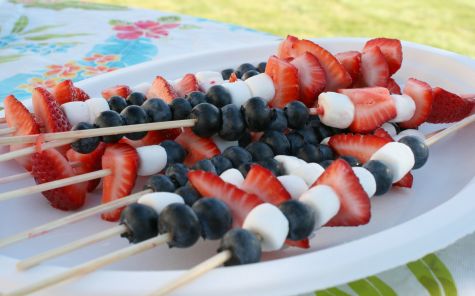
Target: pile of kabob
(258, 156)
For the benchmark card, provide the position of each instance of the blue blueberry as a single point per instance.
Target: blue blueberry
(351, 160)
(226, 73)
(261, 67)
(309, 135)
(215, 217)
(257, 114)
(279, 121)
(109, 119)
(175, 153)
(237, 155)
(297, 114)
(157, 110)
(272, 165)
(244, 246)
(301, 219)
(419, 149)
(181, 108)
(233, 125)
(249, 74)
(382, 174)
(219, 96)
(141, 222)
(189, 194)
(277, 141)
(196, 98)
(86, 145)
(309, 153)
(326, 163)
(221, 163)
(243, 68)
(296, 141)
(244, 168)
(245, 139)
(178, 174)
(160, 183)
(134, 115)
(325, 151)
(260, 151)
(208, 120)
(117, 103)
(204, 165)
(136, 98)
(181, 224)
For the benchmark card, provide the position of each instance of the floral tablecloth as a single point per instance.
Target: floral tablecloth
(45, 42)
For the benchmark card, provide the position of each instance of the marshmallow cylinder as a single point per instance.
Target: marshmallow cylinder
(366, 179)
(405, 107)
(294, 185)
(289, 163)
(160, 200)
(338, 109)
(76, 112)
(152, 159)
(96, 106)
(261, 85)
(397, 156)
(232, 176)
(410, 132)
(324, 201)
(206, 79)
(239, 91)
(310, 172)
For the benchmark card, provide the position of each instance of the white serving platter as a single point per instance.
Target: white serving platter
(405, 224)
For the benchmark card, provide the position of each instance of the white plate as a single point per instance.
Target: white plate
(406, 224)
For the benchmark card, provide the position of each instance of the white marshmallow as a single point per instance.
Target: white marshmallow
(324, 201)
(270, 224)
(142, 87)
(397, 156)
(239, 91)
(410, 132)
(206, 79)
(310, 172)
(289, 163)
(223, 144)
(261, 85)
(405, 107)
(294, 185)
(366, 179)
(76, 112)
(160, 200)
(152, 159)
(390, 129)
(96, 106)
(338, 109)
(232, 176)
(325, 141)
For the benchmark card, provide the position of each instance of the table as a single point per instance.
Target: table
(40, 47)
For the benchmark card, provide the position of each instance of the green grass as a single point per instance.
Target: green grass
(440, 23)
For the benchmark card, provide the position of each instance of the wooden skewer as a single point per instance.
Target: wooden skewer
(7, 131)
(453, 128)
(91, 266)
(26, 175)
(103, 235)
(45, 228)
(30, 150)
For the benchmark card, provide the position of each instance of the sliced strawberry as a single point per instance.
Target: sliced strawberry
(406, 181)
(49, 112)
(210, 185)
(374, 68)
(286, 81)
(382, 133)
(421, 93)
(262, 182)
(448, 107)
(66, 92)
(303, 244)
(393, 87)
(355, 206)
(154, 137)
(373, 107)
(391, 49)
(233, 77)
(49, 165)
(286, 47)
(18, 117)
(80, 95)
(87, 163)
(123, 162)
(186, 85)
(362, 147)
(198, 148)
(117, 90)
(162, 89)
(312, 79)
(351, 60)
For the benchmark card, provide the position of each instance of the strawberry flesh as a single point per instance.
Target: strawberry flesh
(153, 137)
(406, 181)
(391, 50)
(421, 93)
(351, 60)
(49, 112)
(311, 76)
(162, 89)
(87, 163)
(393, 87)
(374, 68)
(448, 107)
(117, 90)
(382, 133)
(187, 85)
(362, 147)
(286, 81)
(65, 92)
(262, 182)
(197, 148)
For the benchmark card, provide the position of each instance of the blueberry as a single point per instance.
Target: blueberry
(237, 155)
(204, 165)
(178, 174)
(326, 152)
(141, 222)
(208, 120)
(257, 114)
(157, 110)
(238, 74)
(196, 98)
(181, 108)
(221, 164)
(262, 67)
(189, 194)
(279, 121)
(160, 183)
(244, 246)
(296, 141)
(351, 160)
(309, 153)
(244, 168)
(85, 145)
(326, 163)
(117, 103)
(309, 135)
(215, 217)
(277, 141)
(175, 153)
(301, 219)
(181, 224)
(249, 74)
(272, 165)
(243, 68)
(136, 98)
(109, 119)
(260, 151)
(233, 125)
(134, 115)
(226, 73)
(419, 149)
(297, 114)
(322, 132)
(245, 139)
(218, 96)
(382, 174)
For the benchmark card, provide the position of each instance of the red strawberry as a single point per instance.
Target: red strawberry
(66, 92)
(233, 77)
(391, 49)
(448, 107)
(382, 133)
(118, 90)
(240, 202)
(303, 244)
(154, 137)
(49, 165)
(186, 85)
(286, 81)
(355, 206)
(406, 181)
(162, 89)
(262, 182)
(123, 162)
(393, 87)
(362, 147)
(373, 107)
(87, 163)
(49, 112)
(311, 78)
(374, 68)
(351, 60)
(18, 117)
(79, 94)
(198, 148)
(285, 49)
(421, 93)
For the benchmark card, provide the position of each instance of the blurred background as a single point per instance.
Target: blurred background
(440, 23)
